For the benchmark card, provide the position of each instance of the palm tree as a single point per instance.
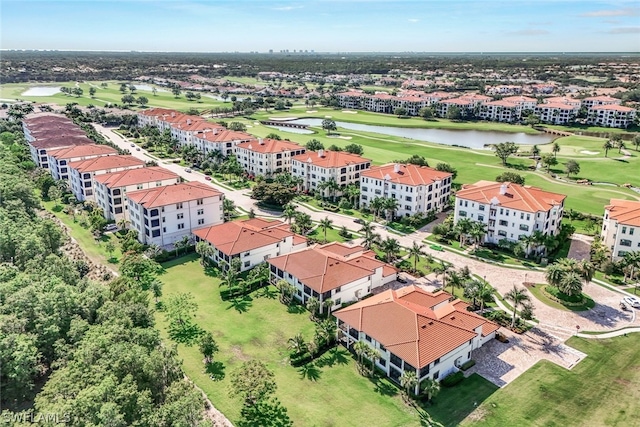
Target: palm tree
(326, 224)
(445, 269)
(390, 205)
(555, 149)
(228, 208)
(376, 204)
(408, 381)
(390, 247)
(462, 228)
(416, 251)
(587, 271)
(373, 355)
(555, 273)
(289, 212)
(313, 305)
(332, 186)
(297, 344)
(631, 259)
(571, 283)
(528, 241)
(621, 146)
(455, 279)
(287, 290)
(430, 388)
(517, 296)
(353, 192)
(182, 243)
(326, 331)
(303, 222)
(123, 223)
(156, 289)
(205, 250)
(360, 348)
(484, 292)
(608, 145)
(477, 232)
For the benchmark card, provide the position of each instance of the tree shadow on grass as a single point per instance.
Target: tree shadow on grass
(266, 413)
(310, 371)
(187, 334)
(296, 309)
(212, 271)
(621, 160)
(383, 387)
(241, 304)
(337, 356)
(267, 292)
(215, 370)
(425, 418)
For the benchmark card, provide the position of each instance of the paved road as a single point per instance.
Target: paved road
(606, 315)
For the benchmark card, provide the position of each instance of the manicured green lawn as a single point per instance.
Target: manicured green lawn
(602, 390)
(537, 292)
(332, 234)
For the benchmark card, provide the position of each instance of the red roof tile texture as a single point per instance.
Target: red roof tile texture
(171, 194)
(268, 145)
(330, 159)
(523, 198)
(408, 174)
(135, 176)
(625, 212)
(106, 163)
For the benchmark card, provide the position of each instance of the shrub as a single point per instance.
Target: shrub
(468, 364)
(452, 379)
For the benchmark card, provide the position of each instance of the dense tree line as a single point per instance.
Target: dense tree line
(86, 352)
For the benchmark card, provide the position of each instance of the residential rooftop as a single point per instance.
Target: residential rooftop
(330, 159)
(406, 174)
(105, 163)
(625, 212)
(520, 197)
(135, 176)
(171, 194)
(268, 145)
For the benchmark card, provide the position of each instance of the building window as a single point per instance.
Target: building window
(180, 216)
(503, 223)
(502, 233)
(181, 226)
(524, 227)
(462, 213)
(155, 233)
(480, 217)
(625, 242)
(481, 207)
(200, 211)
(201, 221)
(199, 201)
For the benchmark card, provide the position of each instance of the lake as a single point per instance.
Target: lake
(466, 138)
(292, 130)
(41, 91)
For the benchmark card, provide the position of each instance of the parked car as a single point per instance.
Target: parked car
(631, 301)
(358, 221)
(110, 227)
(187, 170)
(138, 149)
(133, 145)
(207, 177)
(401, 279)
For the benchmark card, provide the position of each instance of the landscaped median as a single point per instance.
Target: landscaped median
(550, 296)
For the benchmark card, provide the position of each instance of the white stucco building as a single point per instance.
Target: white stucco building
(59, 159)
(510, 210)
(110, 189)
(319, 166)
(252, 241)
(621, 227)
(83, 172)
(416, 188)
(431, 334)
(164, 215)
(334, 271)
(267, 157)
(221, 140)
(611, 115)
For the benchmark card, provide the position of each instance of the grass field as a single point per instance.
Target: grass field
(259, 326)
(602, 390)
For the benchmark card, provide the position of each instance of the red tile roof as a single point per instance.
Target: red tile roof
(135, 176)
(613, 107)
(523, 198)
(171, 194)
(236, 237)
(625, 212)
(82, 151)
(106, 163)
(219, 136)
(268, 145)
(60, 141)
(415, 325)
(407, 174)
(330, 159)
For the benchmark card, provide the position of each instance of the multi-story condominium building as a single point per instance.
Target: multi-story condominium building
(252, 241)
(267, 156)
(334, 271)
(59, 159)
(165, 119)
(509, 210)
(505, 90)
(164, 215)
(220, 140)
(428, 333)
(621, 227)
(557, 113)
(151, 116)
(83, 172)
(563, 100)
(500, 111)
(48, 129)
(594, 101)
(315, 167)
(468, 104)
(40, 147)
(45, 121)
(110, 189)
(611, 115)
(416, 188)
(185, 130)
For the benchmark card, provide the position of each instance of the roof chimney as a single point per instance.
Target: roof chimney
(260, 141)
(188, 121)
(396, 168)
(503, 189)
(321, 153)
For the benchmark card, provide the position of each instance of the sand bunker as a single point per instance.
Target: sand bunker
(349, 112)
(41, 91)
(327, 117)
(590, 153)
(311, 111)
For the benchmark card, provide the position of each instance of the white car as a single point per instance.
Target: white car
(631, 301)
(110, 227)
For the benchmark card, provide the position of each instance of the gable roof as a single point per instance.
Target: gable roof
(268, 145)
(523, 198)
(82, 151)
(407, 174)
(416, 325)
(105, 163)
(223, 135)
(235, 237)
(170, 194)
(59, 141)
(330, 159)
(135, 176)
(626, 212)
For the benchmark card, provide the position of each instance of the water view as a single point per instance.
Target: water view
(41, 91)
(464, 138)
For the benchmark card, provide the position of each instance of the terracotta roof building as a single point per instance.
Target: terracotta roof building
(621, 227)
(110, 189)
(164, 215)
(509, 210)
(220, 140)
(334, 271)
(611, 115)
(252, 241)
(60, 158)
(416, 188)
(431, 334)
(82, 172)
(266, 156)
(316, 167)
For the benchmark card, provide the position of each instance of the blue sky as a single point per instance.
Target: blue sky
(322, 25)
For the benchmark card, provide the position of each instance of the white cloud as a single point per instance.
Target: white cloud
(287, 8)
(629, 11)
(625, 30)
(529, 32)
(413, 20)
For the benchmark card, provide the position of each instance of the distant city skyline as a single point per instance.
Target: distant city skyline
(322, 26)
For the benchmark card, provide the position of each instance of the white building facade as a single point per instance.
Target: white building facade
(621, 227)
(83, 172)
(315, 167)
(267, 157)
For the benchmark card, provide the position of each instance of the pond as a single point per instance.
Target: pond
(292, 130)
(140, 86)
(41, 91)
(465, 138)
